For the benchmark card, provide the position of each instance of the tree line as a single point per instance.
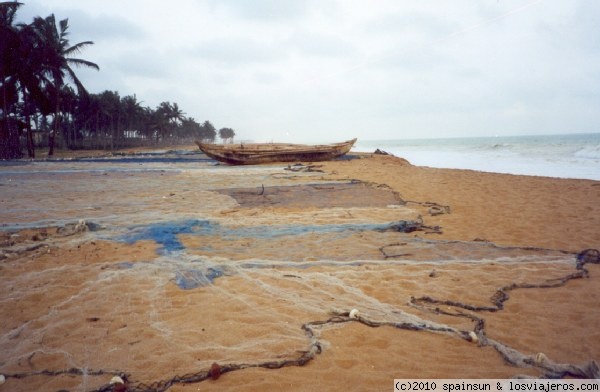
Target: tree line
(40, 108)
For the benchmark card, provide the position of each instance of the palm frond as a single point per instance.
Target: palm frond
(80, 88)
(64, 26)
(83, 63)
(8, 10)
(77, 47)
(50, 25)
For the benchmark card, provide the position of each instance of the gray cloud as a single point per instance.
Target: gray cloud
(398, 25)
(265, 10)
(236, 51)
(84, 26)
(143, 63)
(103, 27)
(319, 44)
(381, 69)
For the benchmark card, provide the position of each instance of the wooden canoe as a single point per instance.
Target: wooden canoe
(257, 153)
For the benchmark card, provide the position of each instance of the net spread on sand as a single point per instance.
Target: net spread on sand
(191, 271)
(314, 345)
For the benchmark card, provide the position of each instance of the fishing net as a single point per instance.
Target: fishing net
(210, 276)
(318, 284)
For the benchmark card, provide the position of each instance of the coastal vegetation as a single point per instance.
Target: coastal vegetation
(43, 104)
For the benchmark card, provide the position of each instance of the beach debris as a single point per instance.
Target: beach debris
(588, 256)
(215, 371)
(2, 379)
(119, 388)
(9, 239)
(404, 226)
(437, 210)
(381, 152)
(409, 226)
(354, 313)
(397, 159)
(540, 358)
(473, 337)
(434, 208)
(39, 236)
(19, 249)
(116, 380)
(75, 228)
(119, 384)
(433, 273)
(299, 167)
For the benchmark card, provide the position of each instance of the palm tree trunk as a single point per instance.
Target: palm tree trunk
(55, 125)
(5, 144)
(4, 124)
(51, 139)
(30, 146)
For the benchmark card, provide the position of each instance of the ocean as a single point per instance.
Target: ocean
(563, 156)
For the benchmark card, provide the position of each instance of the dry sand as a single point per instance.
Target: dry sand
(198, 265)
(503, 208)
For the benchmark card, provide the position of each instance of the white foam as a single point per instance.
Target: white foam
(566, 156)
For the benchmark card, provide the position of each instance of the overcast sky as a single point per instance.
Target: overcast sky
(327, 70)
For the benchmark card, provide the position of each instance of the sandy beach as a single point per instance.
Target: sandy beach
(156, 267)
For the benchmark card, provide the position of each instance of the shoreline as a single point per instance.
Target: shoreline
(41, 155)
(562, 156)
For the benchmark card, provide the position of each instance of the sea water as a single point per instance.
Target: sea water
(564, 156)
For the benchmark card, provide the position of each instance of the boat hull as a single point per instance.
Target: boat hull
(255, 154)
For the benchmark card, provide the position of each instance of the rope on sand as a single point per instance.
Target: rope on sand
(387, 254)
(552, 369)
(434, 208)
(501, 295)
(216, 371)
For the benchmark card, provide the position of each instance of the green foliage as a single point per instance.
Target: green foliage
(36, 65)
(226, 134)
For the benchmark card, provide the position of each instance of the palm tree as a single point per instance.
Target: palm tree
(226, 133)
(133, 113)
(57, 62)
(68, 99)
(209, 132)
(110, 116)
(9, 44)
(168, 118)
(190, 129)
(160, 121)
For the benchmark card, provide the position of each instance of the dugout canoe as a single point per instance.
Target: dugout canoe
(257, 153)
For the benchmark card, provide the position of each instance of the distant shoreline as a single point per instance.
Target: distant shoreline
(558, 156)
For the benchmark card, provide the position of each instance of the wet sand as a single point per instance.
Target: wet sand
(177, 264)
